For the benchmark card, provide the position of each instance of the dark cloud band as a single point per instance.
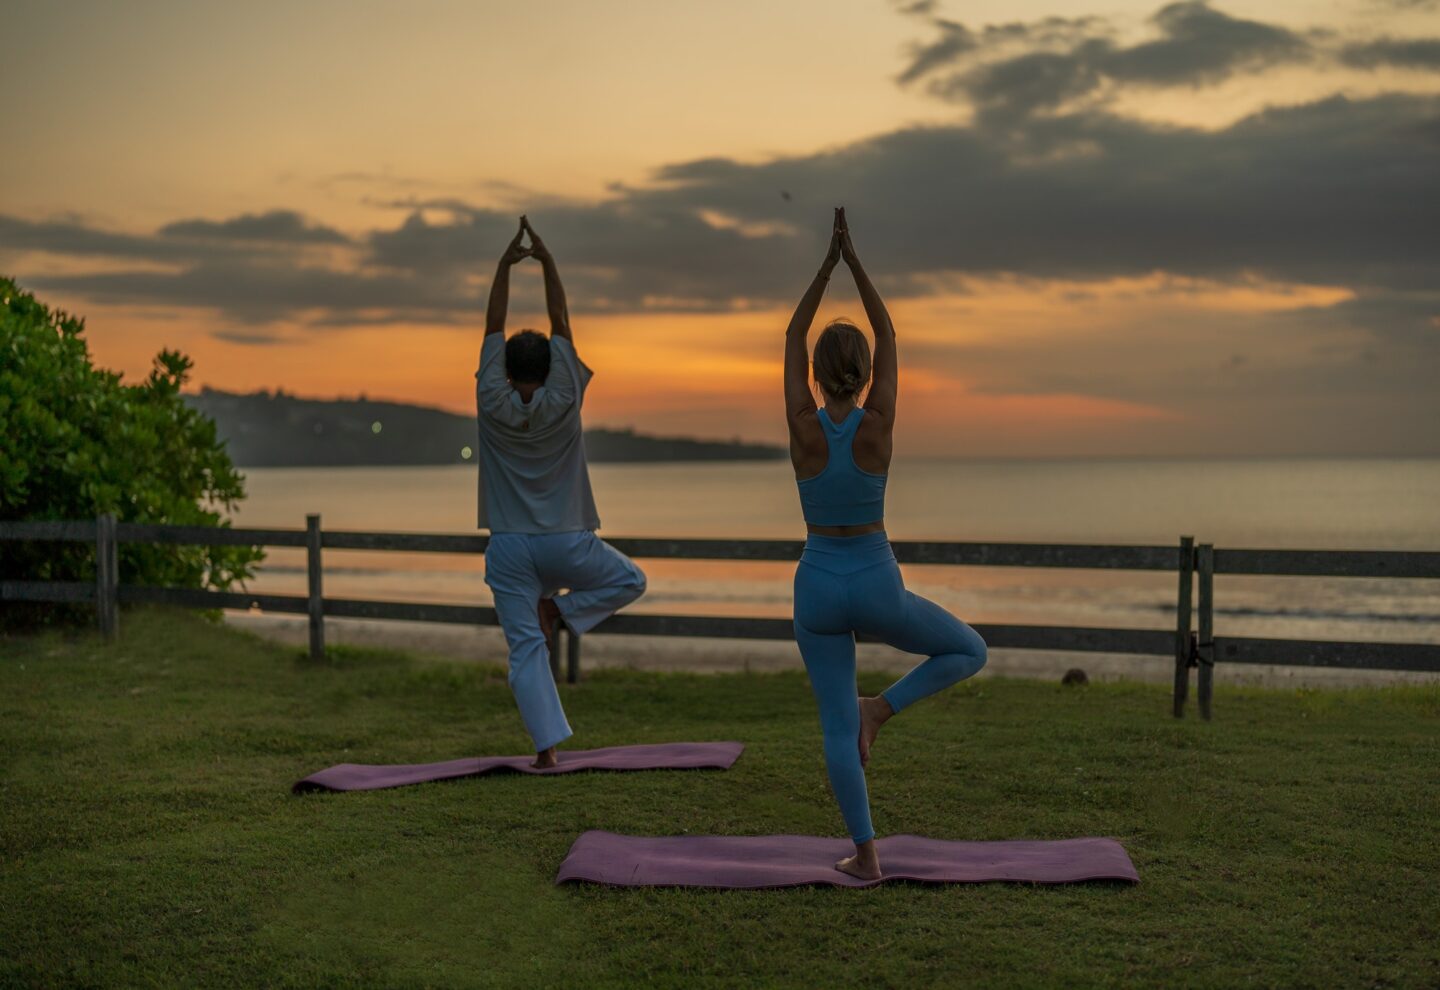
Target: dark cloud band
(272, 227)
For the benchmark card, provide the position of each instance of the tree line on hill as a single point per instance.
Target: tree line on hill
(276, 429)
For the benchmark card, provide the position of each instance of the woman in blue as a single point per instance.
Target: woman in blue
(848, 581)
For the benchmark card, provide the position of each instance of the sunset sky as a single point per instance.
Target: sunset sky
(1128, 229)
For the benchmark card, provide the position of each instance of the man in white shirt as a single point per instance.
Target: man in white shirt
(535, 497)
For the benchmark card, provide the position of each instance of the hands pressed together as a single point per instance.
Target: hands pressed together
(515, 252)
(518, 252)
(840, 246)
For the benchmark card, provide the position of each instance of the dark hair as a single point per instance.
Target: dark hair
(842, 359)
(527, 358)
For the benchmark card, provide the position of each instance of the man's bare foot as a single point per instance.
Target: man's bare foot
(874, 712)
(546, 759)
(549, 614)
(865, 864)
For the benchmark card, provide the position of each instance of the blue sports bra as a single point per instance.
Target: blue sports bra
(842, 494)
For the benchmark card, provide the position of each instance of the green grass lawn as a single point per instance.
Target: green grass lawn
(148, 835)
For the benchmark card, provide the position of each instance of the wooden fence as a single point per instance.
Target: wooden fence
(1193, 644)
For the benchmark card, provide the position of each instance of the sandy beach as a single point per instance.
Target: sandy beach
(486, 644)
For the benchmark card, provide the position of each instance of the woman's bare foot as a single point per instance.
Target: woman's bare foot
(549, 614)
(546, 759)
(865, 864)
(874, 712)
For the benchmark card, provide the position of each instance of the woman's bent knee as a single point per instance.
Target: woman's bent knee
(972, 647)
(965, 660)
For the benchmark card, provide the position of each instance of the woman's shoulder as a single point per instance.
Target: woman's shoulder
(874, 423)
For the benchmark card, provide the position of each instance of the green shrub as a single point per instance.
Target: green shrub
(75, 441)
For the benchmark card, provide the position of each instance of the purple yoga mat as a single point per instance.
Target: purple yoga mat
(754, 861)
(656, 756)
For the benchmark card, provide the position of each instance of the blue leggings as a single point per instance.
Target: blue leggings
(846, 585)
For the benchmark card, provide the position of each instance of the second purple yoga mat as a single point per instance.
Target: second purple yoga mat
(657, 756)
(756, 861)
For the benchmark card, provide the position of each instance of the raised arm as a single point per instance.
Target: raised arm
(500, 287)
(554, 291)
(799, 400)
(885, 371)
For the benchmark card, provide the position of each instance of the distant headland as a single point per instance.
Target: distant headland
(276, 429)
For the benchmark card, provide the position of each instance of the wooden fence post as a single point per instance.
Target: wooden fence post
(315, 582)
(107, 576)
(1205, 562)
(572, 658)
(1182, 624)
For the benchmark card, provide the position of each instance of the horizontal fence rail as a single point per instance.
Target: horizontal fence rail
(1132, 558)
(1328, 653)
(1330, 563)
(47, 591)
(209, 536)
(77, 532)
(1195, 567)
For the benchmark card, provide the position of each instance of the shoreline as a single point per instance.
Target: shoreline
(716, 656)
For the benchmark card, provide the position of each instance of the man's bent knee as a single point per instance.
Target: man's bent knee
(637, 585)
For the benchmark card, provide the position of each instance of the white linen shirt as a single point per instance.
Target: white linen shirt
(531, 455)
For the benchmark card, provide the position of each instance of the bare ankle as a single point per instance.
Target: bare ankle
(879, 709)
(865, 864)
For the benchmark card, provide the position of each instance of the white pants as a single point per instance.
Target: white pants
(522, 568)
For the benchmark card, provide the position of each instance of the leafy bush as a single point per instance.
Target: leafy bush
(75, 442)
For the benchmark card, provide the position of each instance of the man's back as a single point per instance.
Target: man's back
(543, 562)
(533, 474)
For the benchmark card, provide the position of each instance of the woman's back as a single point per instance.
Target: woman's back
(842, 493)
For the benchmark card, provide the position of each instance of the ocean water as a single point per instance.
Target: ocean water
(1296, 504)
